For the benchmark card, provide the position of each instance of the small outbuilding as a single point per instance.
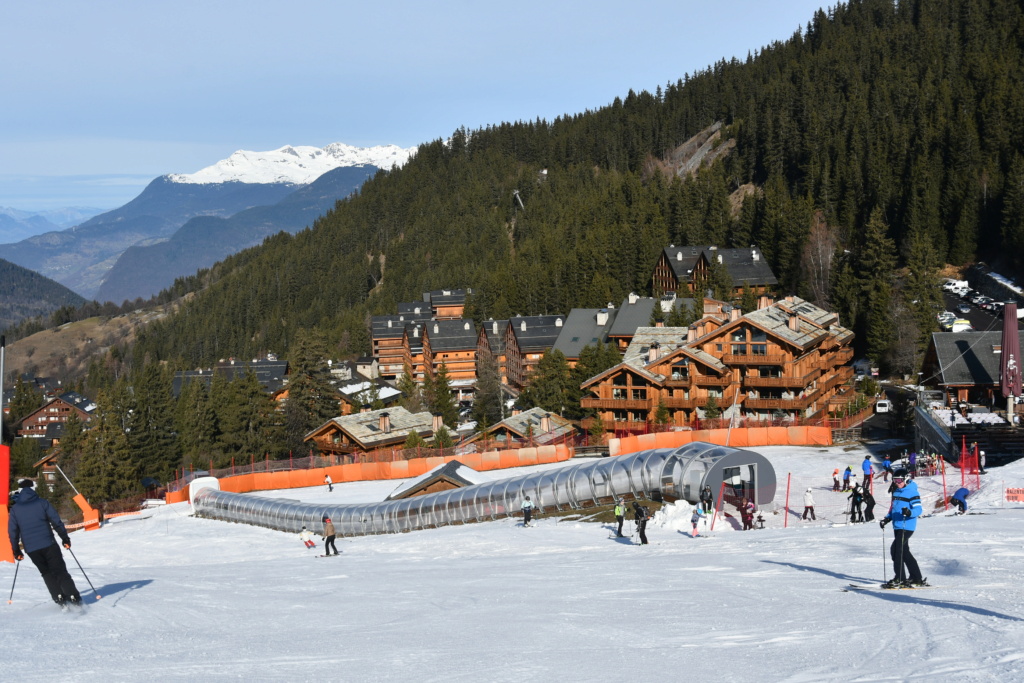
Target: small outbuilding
(451, 475)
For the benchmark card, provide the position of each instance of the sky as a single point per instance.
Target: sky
(101, 97)
(184, 598)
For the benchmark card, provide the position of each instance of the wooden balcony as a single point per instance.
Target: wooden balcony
(712, 380)
(747, 359)
(615, 404)
(679, 382)
(681, 402)
(800, 381)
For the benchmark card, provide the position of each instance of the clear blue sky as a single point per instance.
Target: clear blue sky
(100, 97)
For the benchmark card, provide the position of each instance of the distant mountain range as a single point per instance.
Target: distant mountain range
(26, 294)
(82, 257)
(16, 225)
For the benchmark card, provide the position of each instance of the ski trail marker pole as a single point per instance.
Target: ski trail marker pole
(98, 596)
(11, 596)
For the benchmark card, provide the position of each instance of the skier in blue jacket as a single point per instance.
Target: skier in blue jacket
(903, 513)
(959, 499)
(31, 524)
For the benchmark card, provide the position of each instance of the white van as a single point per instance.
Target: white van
(883, 405)
(961, 325)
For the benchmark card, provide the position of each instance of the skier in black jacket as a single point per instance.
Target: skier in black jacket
(641, 515)
(32, 523)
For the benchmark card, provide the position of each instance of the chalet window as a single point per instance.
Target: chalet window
(618, 393)
(759, 349)
(639, 417)
(619, 381)
(619, 415)
(758, 336)
(715, 392)
(639, 394)
(739, 336)
(739, 349)
(769, 371)
(718, 347)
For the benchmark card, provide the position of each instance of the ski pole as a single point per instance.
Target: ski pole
(885, 572)
(11, 597)
(98, 596)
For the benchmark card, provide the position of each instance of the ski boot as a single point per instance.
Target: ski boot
(920, 583)
(893, 584)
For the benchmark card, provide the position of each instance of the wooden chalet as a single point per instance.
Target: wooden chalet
(389, 336)
(452, 343)
(491, 340)
(447, 304)
(39, 423)
(451, 475)
(371, 430)
(527, 339)
(790, 357)
(535, 426)
(685, 269)
(356, 390)
(585, 327)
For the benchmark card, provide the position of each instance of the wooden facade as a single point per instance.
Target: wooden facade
(56, 411)
(789, 358)
(686, 270)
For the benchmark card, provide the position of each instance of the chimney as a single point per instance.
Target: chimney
(436, 422)
(436, 330)
(602, 317)
(679, 256)
(653, 352)
(633, 297)
(465, 326)
(494, 327)
(754, 255)
(545, 422)
(522, 326)
(416, 331)
(691, 334)
(365, 408)
(734, 314)
(720, 258)
(558, 322)
(389, 323)
(794, 323)
(416, 310)
(516, 411)
(385, 423)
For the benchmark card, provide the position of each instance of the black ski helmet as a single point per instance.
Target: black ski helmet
(900, 473)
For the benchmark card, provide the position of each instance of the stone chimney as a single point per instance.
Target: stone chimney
(385, 423)
(545, 422)
(653, 352)
(436, 422)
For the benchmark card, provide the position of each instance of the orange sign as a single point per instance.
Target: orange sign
(1015, 495)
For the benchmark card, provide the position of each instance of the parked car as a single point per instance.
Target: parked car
(963, 308)
(961, 326)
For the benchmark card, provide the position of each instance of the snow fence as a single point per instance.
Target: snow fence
(670, 473)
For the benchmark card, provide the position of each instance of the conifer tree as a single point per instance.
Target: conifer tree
(312, 399)
(196, 424)
(487, 406)
(106, 470)
(151, 434)
(25, 400)
(549, 385)
(412, 394)
(441, 401)
(877, 265)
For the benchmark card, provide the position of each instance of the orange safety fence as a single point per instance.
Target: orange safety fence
(746, 437)
(373, 471)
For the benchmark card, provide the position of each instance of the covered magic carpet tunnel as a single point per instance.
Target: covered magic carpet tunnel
(665, 473)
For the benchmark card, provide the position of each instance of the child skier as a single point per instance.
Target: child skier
(697, 515)
(306, 536)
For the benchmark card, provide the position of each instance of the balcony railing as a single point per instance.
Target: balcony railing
(748, 359)
(712, 380)
(615, 404)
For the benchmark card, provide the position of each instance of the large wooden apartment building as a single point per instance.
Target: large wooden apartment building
(790, 357)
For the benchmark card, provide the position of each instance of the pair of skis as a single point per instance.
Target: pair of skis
(851, 587)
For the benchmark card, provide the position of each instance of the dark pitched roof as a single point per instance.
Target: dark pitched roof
(452, 471)
(584, 327)
(969, 358)
(495, 331)
(416, 308)
(451, 335)
(270, 373)
(447, 297)
(634, 312)
(76, 399)
(536, 332)
(392, 326)
(745, 264)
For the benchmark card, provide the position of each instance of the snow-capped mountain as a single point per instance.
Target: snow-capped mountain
(296, 165)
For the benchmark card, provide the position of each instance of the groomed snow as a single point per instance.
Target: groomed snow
(297, 165)
(194, 599)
